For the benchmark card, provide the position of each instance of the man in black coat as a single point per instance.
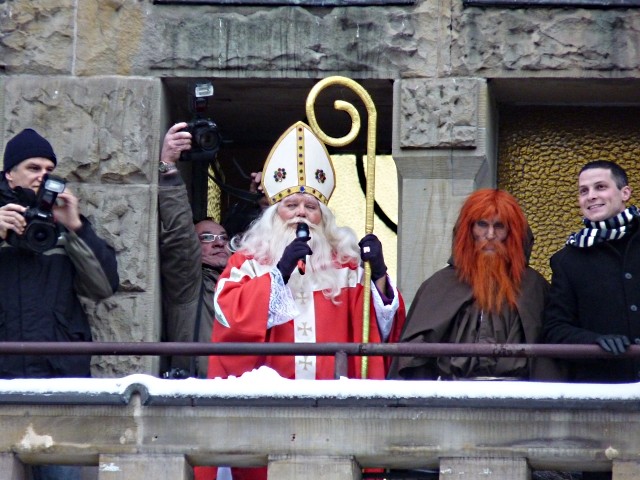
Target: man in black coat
(595, 286)
(47, 258)
(41, 281)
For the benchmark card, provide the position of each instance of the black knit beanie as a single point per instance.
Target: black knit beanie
(27, 144)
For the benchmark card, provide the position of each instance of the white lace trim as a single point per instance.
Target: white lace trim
(282, 307)
(385, 313)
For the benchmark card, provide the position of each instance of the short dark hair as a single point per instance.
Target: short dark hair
(617, 172)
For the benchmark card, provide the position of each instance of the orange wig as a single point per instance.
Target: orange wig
(486, 204)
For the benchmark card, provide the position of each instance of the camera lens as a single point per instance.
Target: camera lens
(41, 236)
(207, 137)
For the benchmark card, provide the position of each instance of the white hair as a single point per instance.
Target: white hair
(269, 235)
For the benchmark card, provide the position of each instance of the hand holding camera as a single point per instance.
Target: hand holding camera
(204, 133)
(66, 211)
(39, 231)
(176, 141)
(12, 219)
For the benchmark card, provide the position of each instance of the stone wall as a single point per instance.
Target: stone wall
(87, 73)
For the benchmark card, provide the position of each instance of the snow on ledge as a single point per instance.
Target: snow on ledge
(265, 382)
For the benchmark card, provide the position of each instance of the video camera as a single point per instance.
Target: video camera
(41, 232)
(205, 135)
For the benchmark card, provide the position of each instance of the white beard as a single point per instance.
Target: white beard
(331, 245)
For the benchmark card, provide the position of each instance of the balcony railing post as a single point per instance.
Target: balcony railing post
(489, 467)
(144, 466)
(625, 470)
(11, 467)
(341, 364)
(293, 467)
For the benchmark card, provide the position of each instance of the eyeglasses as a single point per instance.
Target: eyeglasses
(211, 237)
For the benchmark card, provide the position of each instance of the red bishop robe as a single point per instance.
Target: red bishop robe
(243, 301)
(243, 296)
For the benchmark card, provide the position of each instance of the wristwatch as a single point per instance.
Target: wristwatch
(165, 167)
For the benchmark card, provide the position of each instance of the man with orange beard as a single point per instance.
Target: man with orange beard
(487, 294)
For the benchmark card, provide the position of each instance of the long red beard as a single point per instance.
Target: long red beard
(492, 285)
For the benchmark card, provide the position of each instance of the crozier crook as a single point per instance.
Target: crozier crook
(371, 171)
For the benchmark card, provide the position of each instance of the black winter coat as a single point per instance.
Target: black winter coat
(39, 299)
(594, 291)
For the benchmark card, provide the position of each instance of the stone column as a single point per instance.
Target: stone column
(440, 148)
(11, 468)
(626, 470)
(484, 468)
(300, 467)
(106, 132)
(144, 466)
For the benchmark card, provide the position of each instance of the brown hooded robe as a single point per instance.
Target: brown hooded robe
(436, 305)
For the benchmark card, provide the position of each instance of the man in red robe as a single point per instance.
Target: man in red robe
(266, 294)
(262, 296)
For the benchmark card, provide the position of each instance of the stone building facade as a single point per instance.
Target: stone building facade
(97, 77)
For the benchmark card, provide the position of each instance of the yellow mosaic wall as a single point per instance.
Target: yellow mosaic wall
(348, 202)
(541, 150)
(214, 197)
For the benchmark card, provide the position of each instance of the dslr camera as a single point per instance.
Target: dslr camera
(41, 232)
(205, 135)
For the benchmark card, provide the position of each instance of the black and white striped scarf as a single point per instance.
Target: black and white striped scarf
(612, 228)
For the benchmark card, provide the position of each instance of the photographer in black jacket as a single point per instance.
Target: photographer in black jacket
(39, 289)
(39, 298)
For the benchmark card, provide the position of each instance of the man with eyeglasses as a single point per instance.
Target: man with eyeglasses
(213, 244)
(192, 258)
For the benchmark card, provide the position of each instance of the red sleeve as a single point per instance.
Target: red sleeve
(377, 366)
(242, 300)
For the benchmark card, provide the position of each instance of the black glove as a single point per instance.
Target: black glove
(295, 251)
(615, 344)
(371, 250)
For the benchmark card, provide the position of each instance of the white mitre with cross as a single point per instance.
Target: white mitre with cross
(298, 163)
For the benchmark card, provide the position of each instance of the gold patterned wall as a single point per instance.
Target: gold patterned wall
(349, 205)
(214, 198)
(541, 150)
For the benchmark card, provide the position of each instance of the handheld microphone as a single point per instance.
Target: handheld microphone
(302, 231)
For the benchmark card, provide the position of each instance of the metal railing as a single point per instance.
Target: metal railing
(341, 351)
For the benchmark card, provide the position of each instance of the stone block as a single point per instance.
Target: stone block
(103, 129)
(158, 467)
(576, 42)
(439, 113)
(298, 467)
(484, 468)
(147, 39)
(37, 36)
